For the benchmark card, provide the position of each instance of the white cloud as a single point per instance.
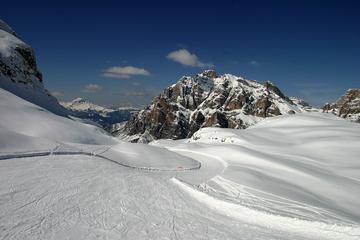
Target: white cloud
(255, 63)
(91, 88)
(186, 58)
(124, 72)
(57, 94)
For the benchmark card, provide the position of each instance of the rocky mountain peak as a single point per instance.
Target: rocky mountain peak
(79, 100)
(210, 73)
(206, 100)
(347, 106)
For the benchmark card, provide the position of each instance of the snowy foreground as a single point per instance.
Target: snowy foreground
(290, 177)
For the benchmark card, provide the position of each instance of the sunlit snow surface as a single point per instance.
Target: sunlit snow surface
(292, 177)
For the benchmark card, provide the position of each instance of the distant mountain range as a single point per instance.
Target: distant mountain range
(106, 117)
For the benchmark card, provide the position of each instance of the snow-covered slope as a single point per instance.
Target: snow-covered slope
(26, 128)
(106, 117)
(19, 73)
(347, 106)
(31, 121)
(304, 166)
(207, 100)
(289, 177)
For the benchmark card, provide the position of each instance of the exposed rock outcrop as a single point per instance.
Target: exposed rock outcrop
(347, 106)
(207, 100)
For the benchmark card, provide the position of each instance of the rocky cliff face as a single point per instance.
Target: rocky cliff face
(19, 73)
(207, 100)
(347, 106)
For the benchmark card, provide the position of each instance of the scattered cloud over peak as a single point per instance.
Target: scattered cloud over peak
(254, 63)
(57, 94)
(186, 58)
(124, 72)
(91, 88)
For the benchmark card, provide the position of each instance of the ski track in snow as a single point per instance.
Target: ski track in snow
(105, 219)
(259, 213)
(46, 205)
(94, 154)
(308, 229)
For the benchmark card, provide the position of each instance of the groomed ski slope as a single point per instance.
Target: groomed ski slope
(294, 177)
(310, 160)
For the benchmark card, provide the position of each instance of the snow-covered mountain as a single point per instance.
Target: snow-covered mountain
(304, 105)
(295, 176)
(347, 106)
(207, 100)
(106, 117)
(19, 73)
(82, 104)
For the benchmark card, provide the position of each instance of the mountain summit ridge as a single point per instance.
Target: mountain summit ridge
(207, 100)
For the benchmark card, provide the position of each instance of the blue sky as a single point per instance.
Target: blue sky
(310, 49)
